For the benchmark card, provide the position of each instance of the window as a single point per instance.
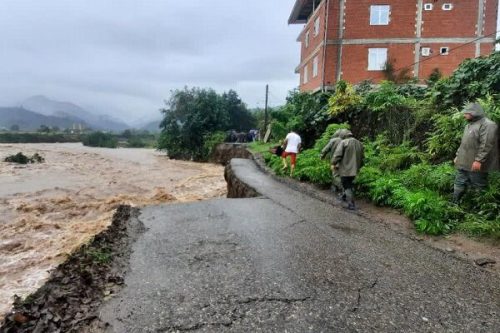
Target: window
(305, 75)
(447, 6)
(428, 6)
(444, 50)
(306, 40)
(379, 14)
(377, 59)
(426, 51)
(315, 66)
(316, 26)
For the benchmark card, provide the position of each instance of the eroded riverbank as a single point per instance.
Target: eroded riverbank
(48, 210)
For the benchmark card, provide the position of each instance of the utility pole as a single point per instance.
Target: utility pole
(265, 108)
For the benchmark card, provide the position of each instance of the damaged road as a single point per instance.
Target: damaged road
(283, 261)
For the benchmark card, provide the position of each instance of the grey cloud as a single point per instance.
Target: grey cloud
(123, 57)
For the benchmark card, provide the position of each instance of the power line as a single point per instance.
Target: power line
(449, 51)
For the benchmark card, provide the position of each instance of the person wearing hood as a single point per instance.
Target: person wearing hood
(478, 152)
(329, 150)
(348, 159)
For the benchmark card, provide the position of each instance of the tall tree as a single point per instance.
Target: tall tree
(190, 117)
(240, 118)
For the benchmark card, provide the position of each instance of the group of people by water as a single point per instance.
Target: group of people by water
(476, 157)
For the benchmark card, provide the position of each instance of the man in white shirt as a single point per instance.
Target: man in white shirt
(292, 143)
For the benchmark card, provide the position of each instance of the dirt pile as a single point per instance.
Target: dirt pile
(69, 300)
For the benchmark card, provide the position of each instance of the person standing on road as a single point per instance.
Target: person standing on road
(348, 159)
(292, 145)
(329, 150)
(478, 152)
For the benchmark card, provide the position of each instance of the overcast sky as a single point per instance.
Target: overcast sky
(122, 57)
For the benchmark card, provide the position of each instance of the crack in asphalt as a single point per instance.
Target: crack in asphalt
(273, 299)
(358, 302)
(195, 327)
(233, 317)
(296, 224)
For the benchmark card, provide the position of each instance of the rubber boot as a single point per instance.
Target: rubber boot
(458, 193)
(349, 197)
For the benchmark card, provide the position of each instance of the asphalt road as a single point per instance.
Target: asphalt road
(285, 262)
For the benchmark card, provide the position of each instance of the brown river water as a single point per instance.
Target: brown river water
(48, 210)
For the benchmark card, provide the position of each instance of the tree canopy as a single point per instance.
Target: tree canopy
(192, 116)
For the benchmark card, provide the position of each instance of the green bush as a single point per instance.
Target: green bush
(444, 139)
(20, 158)
(312, 169)
(473, 79)
(328, 134)
(100, 139)
(211, 141)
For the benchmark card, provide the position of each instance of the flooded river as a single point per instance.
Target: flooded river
(48, 210)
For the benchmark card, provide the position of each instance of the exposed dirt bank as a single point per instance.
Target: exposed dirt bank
(69, 301)
(224, 152)
(48, 210)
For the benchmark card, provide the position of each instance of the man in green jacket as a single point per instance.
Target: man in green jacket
(348, 159)
(329, 150)
(478, 152)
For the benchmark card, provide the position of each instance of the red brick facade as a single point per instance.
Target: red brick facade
(412, 34)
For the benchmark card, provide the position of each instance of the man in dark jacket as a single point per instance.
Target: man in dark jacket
(478, 152)
(329, 150)
(348, 159)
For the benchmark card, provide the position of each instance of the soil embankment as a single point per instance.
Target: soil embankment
(69, 300)
(224, 152)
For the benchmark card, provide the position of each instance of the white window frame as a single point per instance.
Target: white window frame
(316, 26)
(447, 6)
(444, 48)
(428, 6)
(377, 58)
(305, 75)
(380, 14)
(315, 66)
(306, 39)
(425, 51)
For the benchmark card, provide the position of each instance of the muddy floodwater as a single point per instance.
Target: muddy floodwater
(48, 210)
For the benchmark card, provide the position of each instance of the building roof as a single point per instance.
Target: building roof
(301, 11)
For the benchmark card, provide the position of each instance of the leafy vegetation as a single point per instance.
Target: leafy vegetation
(410, 134)
(28, 137)
(100, 139)
(191, 118)
(20, 158)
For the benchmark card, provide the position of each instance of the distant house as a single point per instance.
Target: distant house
(354, 39)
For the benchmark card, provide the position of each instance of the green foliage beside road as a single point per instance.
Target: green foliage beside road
(410, 134)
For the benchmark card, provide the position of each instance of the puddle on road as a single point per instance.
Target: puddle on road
(48, 210)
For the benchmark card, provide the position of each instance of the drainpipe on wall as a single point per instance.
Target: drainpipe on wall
(327, 8)
(418, 35)
(479, 25)
(341, 41)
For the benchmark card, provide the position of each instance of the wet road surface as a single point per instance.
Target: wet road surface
(285, 262)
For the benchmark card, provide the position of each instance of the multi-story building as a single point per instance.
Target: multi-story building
(353, 40)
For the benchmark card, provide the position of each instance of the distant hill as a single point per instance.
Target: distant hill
(30, 121)
(48, 107)
(153, 126)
